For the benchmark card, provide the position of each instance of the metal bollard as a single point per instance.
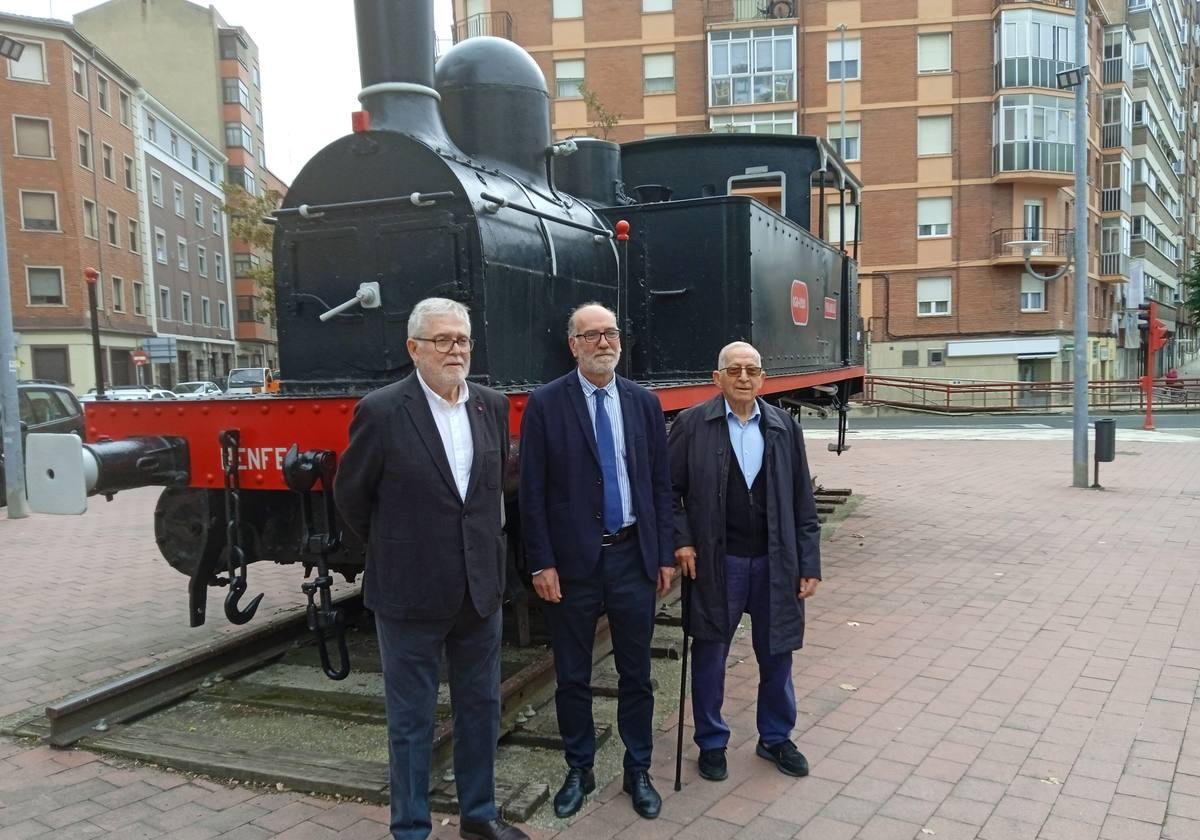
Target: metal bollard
(1106, 445)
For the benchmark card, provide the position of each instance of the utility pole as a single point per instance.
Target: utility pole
(1079, 414)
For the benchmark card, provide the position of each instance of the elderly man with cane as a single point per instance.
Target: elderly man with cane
(747, 537)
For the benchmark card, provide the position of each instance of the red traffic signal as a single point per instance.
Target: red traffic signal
(1158, 335)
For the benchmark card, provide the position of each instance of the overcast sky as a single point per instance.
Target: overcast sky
(307, 100)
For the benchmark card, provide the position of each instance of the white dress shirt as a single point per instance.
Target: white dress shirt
(612, 407)
(454, 427)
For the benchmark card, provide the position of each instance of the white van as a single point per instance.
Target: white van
(252, 381)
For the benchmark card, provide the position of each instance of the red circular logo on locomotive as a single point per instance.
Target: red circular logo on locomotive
(799, 296)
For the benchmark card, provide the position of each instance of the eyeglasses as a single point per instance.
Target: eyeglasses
(593, 336)
(735, 371)
(443, 344)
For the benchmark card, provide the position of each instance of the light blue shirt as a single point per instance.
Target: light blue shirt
(746, 439)
(612, 407)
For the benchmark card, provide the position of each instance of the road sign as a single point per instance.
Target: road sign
(139, 357)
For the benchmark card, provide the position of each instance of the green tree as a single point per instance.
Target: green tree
(246, 224)
(603, 120)
(1191, 291)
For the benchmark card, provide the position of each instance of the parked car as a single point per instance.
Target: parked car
(195, 390)
(44, 407)
(131, 392)
(259, 380)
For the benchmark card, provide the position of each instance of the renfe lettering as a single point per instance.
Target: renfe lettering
(261, 458)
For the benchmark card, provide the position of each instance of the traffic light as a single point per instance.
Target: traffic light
(1158, 335)
(1143, 316)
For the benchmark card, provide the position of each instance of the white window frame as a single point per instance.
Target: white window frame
(833, 133)
(83, 138)
(181, 253)
(138, 291)
(219, 266)
(160, 239)
(833, 53)
(177, 192)
(650, 7)
(660, 81)
(112, 227)
(117, 301)
(567, 9)
(78, 64)
(205, 312)
(939, 305)
(41, 48)
(164, 303)
(62, 286)
(135, 236)
(49, 136)
(185, 307)
(57, 219)
(94, 217)
(222, 315)
(1033, 290)
(130, 176)
(931, 120)
(935, 228)
(198, 210)
(156, 187)
(103, 98)
(108, 161)
(216, 220)
(124, 107)
(201, 260)
(559, 78)
(735, 75)
(925, 61)
(756, 122)
(833, 231)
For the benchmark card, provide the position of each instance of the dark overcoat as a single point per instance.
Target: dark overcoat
(700, 455)
(427, 548)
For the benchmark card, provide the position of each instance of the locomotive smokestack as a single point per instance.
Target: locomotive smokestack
(395, 61)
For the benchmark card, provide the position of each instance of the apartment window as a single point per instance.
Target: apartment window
(181, 252)
(102, 93)
(649, 6)
(195, 159)
(231, 47)
(1033, 131)
(568, 8)
(568, 76)
(1032, 46)
(833, 227)
(910, 358)
(45, 286)
(244, 178)
(933, 135)
(185, 307)
(201, 261)
(222, 315)
(135, 236)
(1033, 294)
(658, 73)
(219, 266)
(198, 210)
(79, 76)
(151, 128)
(765, 122)
(216, 220)
(933, 52)
(178, 200)
(255, 76)
(139, 306)
(258, 117)
(156, 188)
(33, 137)
(31, 67)
(126, 107)
(933, 296)
(39, 211)
(174, 140)
(751, 66)
(90, 222)
(118, 294)
(164, 303)
(262, 155)
(848, 146)
(843, 63)
(205, 312)
(239, 136)
(107, 168)
(236, 92)
(85, 149)
(937, 358)
(128, 172)
(160, 246)
(212, 172)
(114, 229)
(933, 217)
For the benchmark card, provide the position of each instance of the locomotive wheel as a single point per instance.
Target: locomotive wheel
(189, 527)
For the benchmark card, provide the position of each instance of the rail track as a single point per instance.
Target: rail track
(256, 708)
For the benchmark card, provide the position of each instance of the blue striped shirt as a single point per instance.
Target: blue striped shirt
(746, 440)
(612, 406)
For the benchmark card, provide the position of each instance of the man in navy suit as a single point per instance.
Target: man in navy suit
(596, 518)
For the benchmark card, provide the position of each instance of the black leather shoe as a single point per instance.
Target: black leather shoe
(713, 766)
(646, 801)
(578, 784)
(787, 758)
(490, 830)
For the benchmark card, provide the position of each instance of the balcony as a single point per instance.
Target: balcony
(496, 24)
(1008, 246)
(1058, 4)
(1118, 71)
(730, 11)
(1114, 268)
(1029, 71)
(1116, 136)
(1036, 157)
(1115, 200)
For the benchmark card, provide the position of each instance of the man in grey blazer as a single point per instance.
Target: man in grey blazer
(420, 484)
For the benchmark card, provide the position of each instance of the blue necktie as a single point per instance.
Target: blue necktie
(614, 517)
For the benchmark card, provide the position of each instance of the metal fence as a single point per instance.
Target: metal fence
(941, 395)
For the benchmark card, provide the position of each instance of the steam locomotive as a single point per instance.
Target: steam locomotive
(451, 185)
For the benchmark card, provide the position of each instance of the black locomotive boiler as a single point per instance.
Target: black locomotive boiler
(451, 185)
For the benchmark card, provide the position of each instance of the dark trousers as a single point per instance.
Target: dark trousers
(619, 587)
(748, 587)
(411, 652)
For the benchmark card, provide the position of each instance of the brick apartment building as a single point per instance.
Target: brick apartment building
(207, 72)
(955, 124)
(68, 148)
(188, 254)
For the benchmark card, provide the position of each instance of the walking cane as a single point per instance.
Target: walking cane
(687, 597)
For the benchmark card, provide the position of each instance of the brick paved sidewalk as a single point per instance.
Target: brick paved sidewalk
(993, 655)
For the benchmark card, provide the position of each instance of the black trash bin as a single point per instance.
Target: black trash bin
(1106, 440)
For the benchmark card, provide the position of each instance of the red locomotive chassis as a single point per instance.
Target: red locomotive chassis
(269, 425)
